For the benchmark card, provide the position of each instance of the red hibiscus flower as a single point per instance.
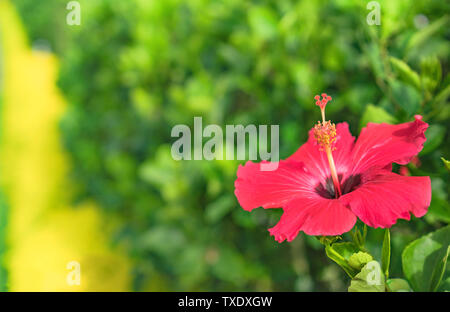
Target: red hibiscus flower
(331, 179)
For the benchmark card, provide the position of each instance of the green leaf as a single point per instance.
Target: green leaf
(439, 271)
(405, 73)
(370, 279)
(424, 260)
(431, 73)
(398, 285)
(377, 115)
(445, 285)
(339, 258)
(446, 163)
(406, 96)
(345, 249)
(386, 253)
(442, 96)
(435, 135)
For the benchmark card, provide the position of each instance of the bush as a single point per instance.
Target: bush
(135, 69)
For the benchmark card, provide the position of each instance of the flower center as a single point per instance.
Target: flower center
(325, 135)
(328, 190)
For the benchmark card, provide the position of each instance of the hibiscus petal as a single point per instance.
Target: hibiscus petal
(314, 216)
(316, 161)
(385, 197)
(271, 189)
(381, 144)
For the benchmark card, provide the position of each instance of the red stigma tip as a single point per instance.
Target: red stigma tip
(322, 102)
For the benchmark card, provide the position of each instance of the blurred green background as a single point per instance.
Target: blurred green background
(134, 69)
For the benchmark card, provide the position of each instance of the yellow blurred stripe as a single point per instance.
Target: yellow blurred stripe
(44, 231)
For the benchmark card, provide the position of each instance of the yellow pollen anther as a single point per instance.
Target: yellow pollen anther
(325, 135)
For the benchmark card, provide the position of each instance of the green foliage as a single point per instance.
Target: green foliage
(386, 252)
(435, 135)
(134, 69)
(359, 260)
(345, 249)
(431, 73)
(425, 260)
(398, 285)
(48, 29)
(341, 254)
(377, 115)
(370, 279)
(405, 73)
(446, 163)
